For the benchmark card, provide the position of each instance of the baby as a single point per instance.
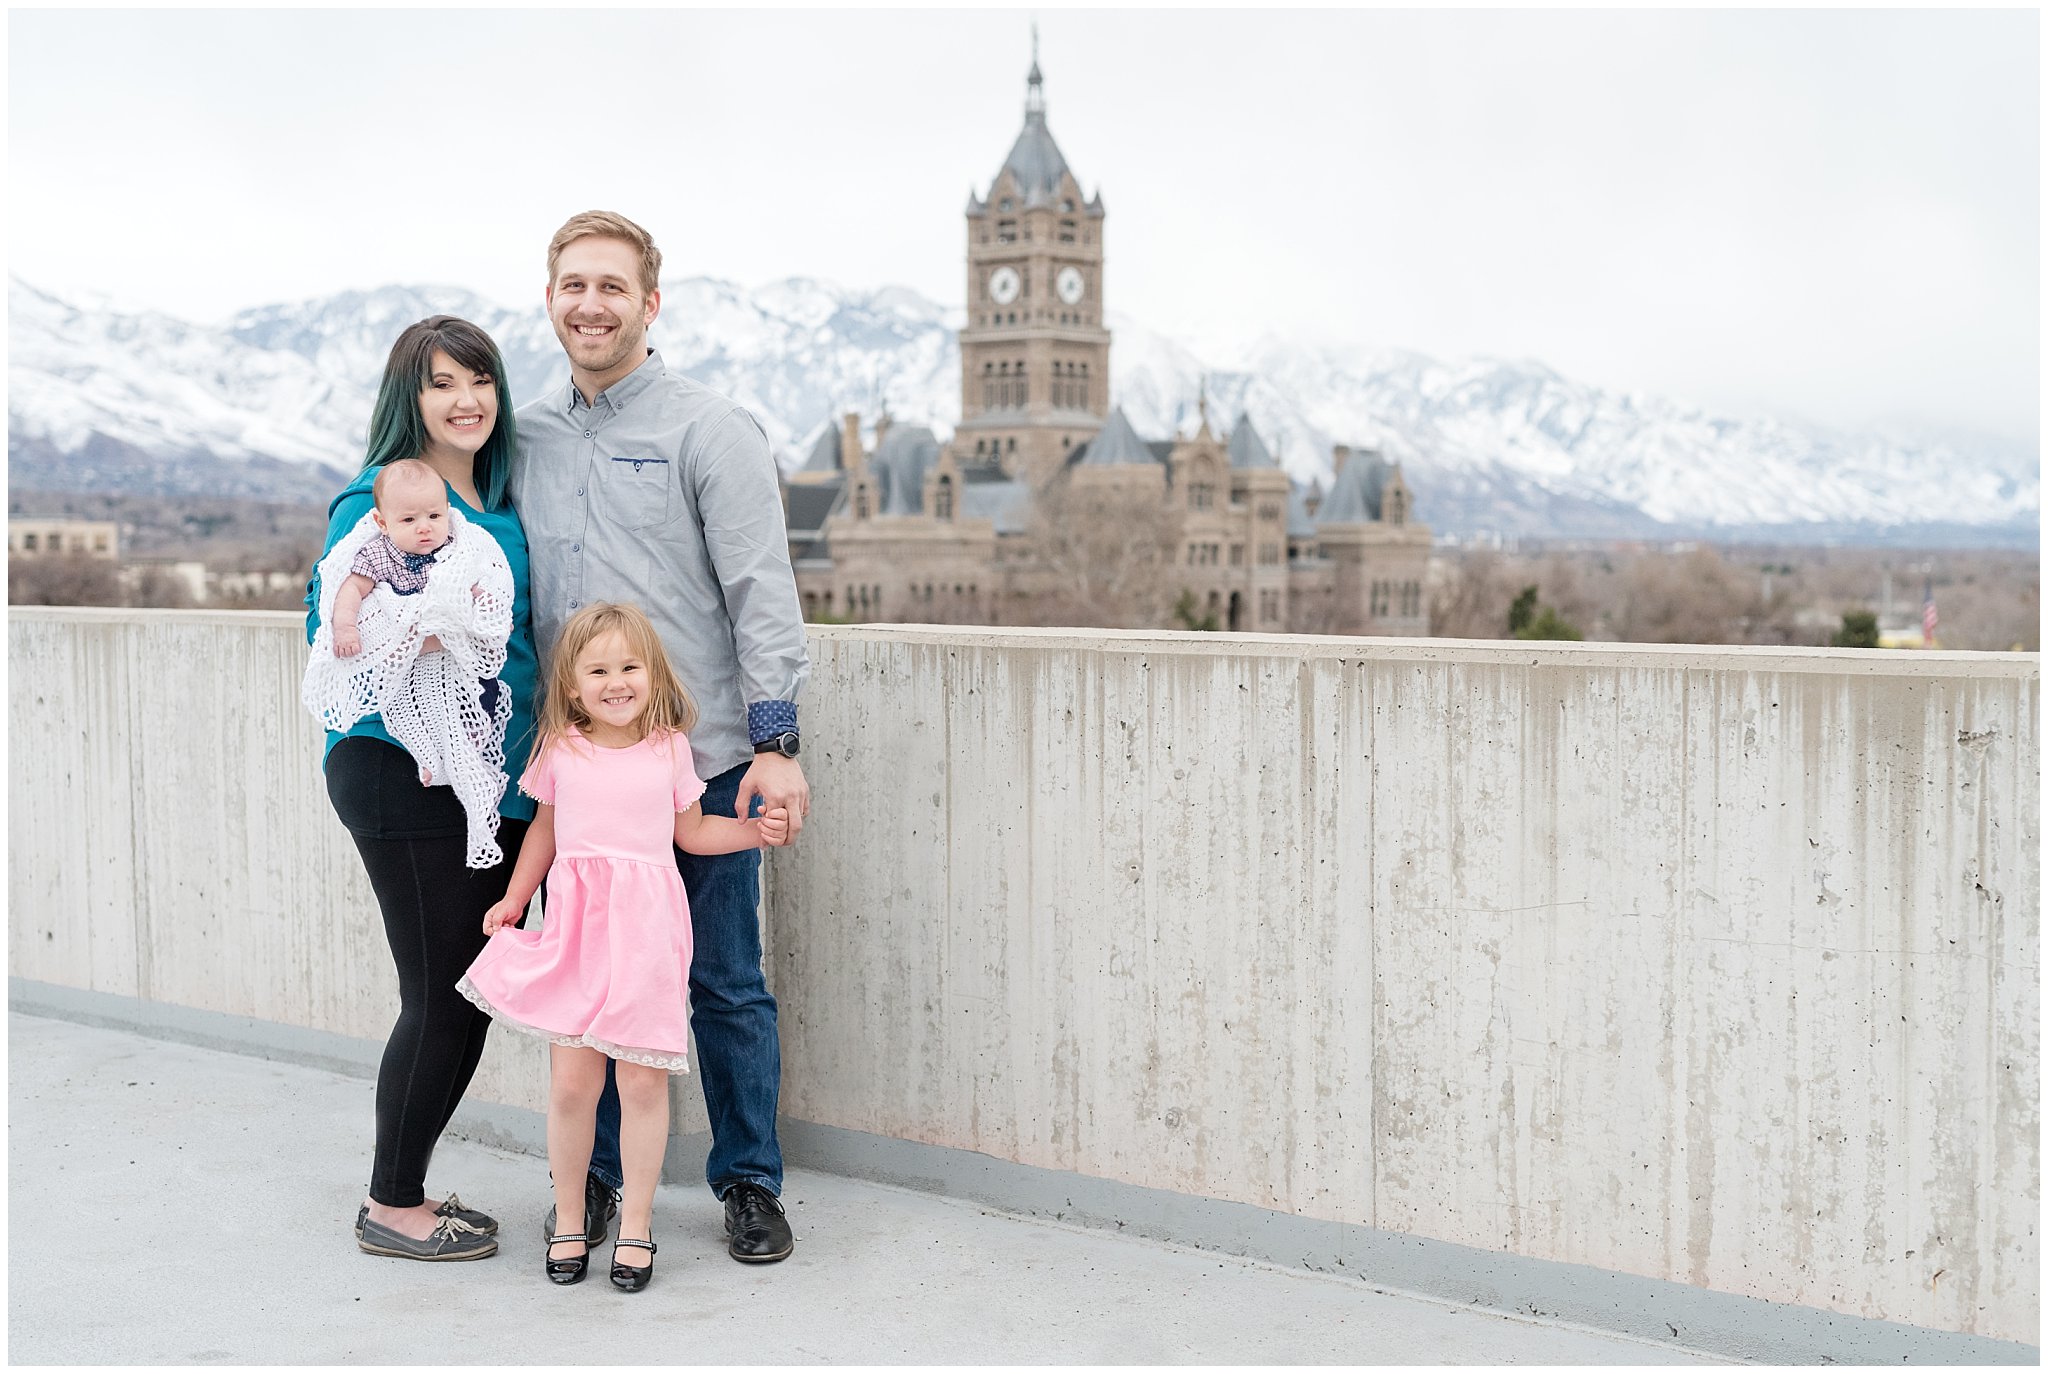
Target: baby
(440, 698)
(412, 513)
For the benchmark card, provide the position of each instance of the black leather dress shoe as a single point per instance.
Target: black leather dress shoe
(756, 1231)
(600, 1205)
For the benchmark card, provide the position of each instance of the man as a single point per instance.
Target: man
(637, 484)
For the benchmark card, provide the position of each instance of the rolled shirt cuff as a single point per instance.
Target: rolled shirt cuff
(767, 719)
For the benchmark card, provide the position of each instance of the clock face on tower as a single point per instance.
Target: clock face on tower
(1070, 285)
(1002, 285)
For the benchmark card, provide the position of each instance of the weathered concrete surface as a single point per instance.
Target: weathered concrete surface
(170, 837)
(1718, 966)
(116, 1143)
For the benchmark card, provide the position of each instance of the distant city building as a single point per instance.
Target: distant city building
(1046, 497)
(28, 537)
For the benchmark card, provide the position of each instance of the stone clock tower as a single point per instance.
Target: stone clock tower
(1034, 355)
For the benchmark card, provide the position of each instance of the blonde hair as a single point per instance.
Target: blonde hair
(403, 472)
(669, 712)
(605, 224)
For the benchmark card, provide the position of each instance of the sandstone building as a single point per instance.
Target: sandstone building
(1046, 507)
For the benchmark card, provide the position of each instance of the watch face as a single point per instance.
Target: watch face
(1070, 284)
(1002, 285)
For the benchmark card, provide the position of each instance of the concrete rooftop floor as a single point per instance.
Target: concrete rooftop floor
(179, 1205)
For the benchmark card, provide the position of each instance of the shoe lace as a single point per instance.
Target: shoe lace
(452, 1228)
(748, 1195)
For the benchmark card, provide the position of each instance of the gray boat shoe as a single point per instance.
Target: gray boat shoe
(481, 1222)
(469, 1216)
(450, 1240)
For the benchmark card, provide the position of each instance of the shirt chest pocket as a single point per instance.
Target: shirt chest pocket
(636, 490)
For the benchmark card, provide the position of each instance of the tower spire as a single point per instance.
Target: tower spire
(1034, 97)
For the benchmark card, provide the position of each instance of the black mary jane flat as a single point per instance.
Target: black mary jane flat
(629, 1278)
(571, 1270)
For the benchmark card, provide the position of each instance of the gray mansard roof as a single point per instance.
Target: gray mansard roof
(900, 462)
(1007, 503)
(1247, 449)
(1355, 496)
(811, 502)
(1299, 526)
(1116, 444)
(1035, 160)
(825, 455)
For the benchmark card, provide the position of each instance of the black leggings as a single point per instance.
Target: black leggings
(413, 840)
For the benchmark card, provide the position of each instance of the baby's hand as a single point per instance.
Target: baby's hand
(775, 826)
(476, 589)
(347, 643)
(502, 913)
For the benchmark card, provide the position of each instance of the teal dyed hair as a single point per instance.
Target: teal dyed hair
(397, 430)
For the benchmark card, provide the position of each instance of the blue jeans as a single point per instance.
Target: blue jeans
(732, 1015)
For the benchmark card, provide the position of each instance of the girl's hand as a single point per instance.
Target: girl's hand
(502, 913)
(774, 824)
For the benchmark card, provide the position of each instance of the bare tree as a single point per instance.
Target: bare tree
(1470, 601)
(1693, 598)
(71, 579)
(160, 588)
(1101, 562)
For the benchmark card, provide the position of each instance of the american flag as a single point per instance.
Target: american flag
(1928, 618)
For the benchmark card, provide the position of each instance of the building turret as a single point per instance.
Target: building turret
(1034, 355)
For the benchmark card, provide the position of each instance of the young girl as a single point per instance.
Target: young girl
(607, 973)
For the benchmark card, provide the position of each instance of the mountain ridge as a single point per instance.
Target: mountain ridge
(1489, 445)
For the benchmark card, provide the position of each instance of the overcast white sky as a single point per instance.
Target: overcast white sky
(1832, 215)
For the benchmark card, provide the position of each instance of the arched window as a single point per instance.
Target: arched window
(1023, 386)
(943, 504)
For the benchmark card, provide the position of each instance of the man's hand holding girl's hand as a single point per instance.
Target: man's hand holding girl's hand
(779, 783)
(502, 914)
(774, 823)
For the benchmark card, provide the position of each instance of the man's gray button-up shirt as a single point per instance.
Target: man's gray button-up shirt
(683, 518)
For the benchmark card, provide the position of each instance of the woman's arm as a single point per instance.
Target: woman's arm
(697, 833)
(536, 854)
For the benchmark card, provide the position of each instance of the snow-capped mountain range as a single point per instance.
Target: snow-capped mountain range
(274, 404)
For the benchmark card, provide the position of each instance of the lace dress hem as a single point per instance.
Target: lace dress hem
(653, 1059)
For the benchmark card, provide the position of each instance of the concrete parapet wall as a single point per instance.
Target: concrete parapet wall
(1719, 966)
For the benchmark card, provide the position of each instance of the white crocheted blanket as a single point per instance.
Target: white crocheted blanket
(432, 703)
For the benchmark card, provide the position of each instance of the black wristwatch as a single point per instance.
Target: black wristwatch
(785, 744)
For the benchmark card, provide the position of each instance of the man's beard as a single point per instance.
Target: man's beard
(624, 342)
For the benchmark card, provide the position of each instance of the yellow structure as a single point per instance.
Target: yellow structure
(36, 538)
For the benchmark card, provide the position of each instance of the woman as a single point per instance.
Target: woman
(443, 401)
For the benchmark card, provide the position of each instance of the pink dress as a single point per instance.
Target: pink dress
(610, 965)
